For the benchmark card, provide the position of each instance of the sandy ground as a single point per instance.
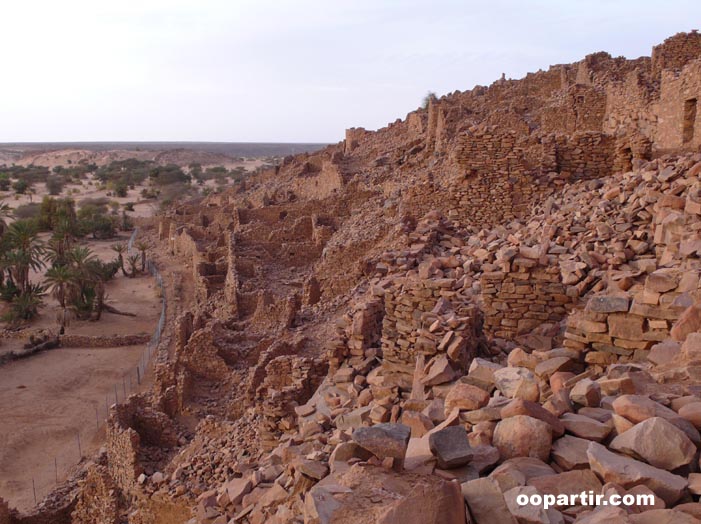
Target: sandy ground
(47, 400)
(45, 403)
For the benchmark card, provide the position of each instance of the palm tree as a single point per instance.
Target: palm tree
(120, 249)
(60, 280)
(133, 260)
(5, 213)
(26, 252)
(61, 242)
(82, 261)
(25, 306)
(142, 247)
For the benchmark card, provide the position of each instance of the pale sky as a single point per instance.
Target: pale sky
(284, 71)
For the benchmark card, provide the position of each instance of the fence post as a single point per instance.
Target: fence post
(80, 451)
(138, 375)
(97, 419)
(56, 469)
(34, 489)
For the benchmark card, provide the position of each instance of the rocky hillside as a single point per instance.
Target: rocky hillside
(496, 297)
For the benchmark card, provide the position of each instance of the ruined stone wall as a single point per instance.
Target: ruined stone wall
(675, 52)
(578, 108)
(274, 312)
(427, 317)
(583, 155)
(123, 448)
(231, 281)
(184, 242)
(102, 341)
(98, 502)
(496, 185)
(679, 121)
(318, 183)
(132, 425)
(525, 294)
(354, 136)
(629, 105)
(290, 381)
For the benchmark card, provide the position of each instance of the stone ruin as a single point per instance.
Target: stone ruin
(495, 296)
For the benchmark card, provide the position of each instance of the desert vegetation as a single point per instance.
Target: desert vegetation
(73, 276)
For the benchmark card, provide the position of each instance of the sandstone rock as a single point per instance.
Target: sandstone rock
(664, 352)
(532, 409)
(486, 502)
(637, 408)
(384, 440)
(372, 494)
(629, 472)
(517, 471)
(517, 383)
(313, 468)
(604, 515)
(586, 392)
(663, 516)
(657, 442)
(419, 423)
(694, 483)
(689, 322)
(608, 304)
(585, 427)
(439, 371)
(450, 447)
(552, 365)
(528, 513)
(483, 370)
(620, 424)
(353, 419)
(465, 397)
(419, 458)
(692, 413)
(567, 483)
(523, 436)
(570, 452)
(236, 489)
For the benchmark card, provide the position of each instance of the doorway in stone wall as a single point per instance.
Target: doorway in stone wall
(689, 120)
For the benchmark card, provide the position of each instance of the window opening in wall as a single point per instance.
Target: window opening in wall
(689, 120)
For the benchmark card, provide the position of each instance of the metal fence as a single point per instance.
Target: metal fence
(59, 467)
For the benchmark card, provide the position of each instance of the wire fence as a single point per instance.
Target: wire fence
(57, 468)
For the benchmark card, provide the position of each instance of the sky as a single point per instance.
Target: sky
(285, 71)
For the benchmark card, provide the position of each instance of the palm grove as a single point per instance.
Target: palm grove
(73, 275)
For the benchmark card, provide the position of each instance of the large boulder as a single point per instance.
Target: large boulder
(519, 406)
(657, 442)
(373, 494)
(637, 408)
(486, 502)
(585, 427)
(570, 452)
(523, 436)
(465, 397)
(629, 472)
(384, 440)
(450, 447)
(515, 382)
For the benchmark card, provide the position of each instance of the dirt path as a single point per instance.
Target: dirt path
(46, 401)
